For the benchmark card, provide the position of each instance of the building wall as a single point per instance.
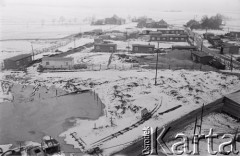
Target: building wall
(53, 64)
(171, 31)
(10, 64)
(168, 38)
(202, 60)
(139, 49)
(104, 48)
(231, 50)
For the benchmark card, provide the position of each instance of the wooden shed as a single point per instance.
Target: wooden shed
(105, 47)
(228, 48)
(201, 57)
(232, 104)
(235, 34)
(18, 62)
(140, 48)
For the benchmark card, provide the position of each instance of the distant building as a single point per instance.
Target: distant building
(235, 34)
(115, 20)
(169, 38)
(98, 40)
(104, 37)
(57, 62)
(146, 32)
(201, 57)
(228, 48)
(173, 31)
(105, 47)
(140, 48)
(18, 62)
(99, 22)
(207, 35)
(160, 24)
(180, 47)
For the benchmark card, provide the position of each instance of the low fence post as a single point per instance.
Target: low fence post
(100, 66)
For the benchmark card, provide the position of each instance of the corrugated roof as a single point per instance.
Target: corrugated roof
(143, 45)
(57, 58)
(19, 57)
(234, 97)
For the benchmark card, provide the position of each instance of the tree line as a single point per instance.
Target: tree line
(213, 22)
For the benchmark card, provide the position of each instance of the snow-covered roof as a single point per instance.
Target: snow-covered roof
(142, 45)
(57, 58)
(19, 57)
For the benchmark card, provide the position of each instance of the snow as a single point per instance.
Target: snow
(126, 93)
(78, 42)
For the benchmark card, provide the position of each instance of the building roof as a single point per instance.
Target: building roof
(19, 57)
(199, 53)
(170, 30)
(57, 58)
(234, 97)
(162, 22)
(238, 32)
(225, 44)
(168, 35)
(143, 45)
(105, 44)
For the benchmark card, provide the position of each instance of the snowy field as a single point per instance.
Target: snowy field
(126, 93)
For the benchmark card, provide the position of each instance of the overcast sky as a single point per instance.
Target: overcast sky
(185, 5)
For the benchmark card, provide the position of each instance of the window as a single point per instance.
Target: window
(111, 48)
(171, 38)
(176, 39)
(182, 39)
(149, 49)
(17, 63)
(47, 63)
(158, 38)
(164, 38)
(167, 32)
(66, 63)
(97, 47)
(153, 38)
(136, 48)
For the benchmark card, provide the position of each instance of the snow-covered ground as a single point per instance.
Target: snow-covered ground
(126, 93)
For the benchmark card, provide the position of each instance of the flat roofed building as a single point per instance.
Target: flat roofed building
(140, 48)
(57, 62)
(105, 47)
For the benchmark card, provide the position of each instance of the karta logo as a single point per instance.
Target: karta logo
(151, 141)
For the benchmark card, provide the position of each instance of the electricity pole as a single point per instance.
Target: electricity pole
(32, 52)
(156, 65)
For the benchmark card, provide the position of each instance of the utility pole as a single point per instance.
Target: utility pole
(74, 42)
(156, 65)
(32, 52)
